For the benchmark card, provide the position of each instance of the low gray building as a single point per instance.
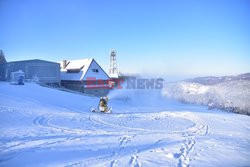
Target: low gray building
(44, 71)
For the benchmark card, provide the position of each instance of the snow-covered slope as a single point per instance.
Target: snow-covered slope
(45, 127)
(229, 95)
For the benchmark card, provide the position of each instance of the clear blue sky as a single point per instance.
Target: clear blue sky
(179, 37)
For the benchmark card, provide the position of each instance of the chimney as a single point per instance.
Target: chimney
(64, 64)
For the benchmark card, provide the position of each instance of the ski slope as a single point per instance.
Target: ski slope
(41, 126)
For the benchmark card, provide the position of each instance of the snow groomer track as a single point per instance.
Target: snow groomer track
(124, 130)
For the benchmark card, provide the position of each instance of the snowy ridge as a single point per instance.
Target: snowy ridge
(216, 80)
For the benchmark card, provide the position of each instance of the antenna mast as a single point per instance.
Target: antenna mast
(113, 70)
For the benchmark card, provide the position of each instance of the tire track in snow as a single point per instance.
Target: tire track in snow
(46, 122)
(97, 119)
(200, 128)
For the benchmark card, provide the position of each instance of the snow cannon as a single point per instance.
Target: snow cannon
(102, 106)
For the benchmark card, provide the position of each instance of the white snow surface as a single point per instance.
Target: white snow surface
(85, 66)
(230, 95)
(77, 64)
(82, 64)
(41, 126)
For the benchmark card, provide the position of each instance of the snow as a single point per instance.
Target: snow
(114, 75)
(77, 64)
(85, 66)
(194, 88)
(41, 126)
(81, 64)
(230, 95)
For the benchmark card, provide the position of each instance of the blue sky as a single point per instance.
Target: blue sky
(176, 37)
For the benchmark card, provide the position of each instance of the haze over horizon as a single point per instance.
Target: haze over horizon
(175, 38)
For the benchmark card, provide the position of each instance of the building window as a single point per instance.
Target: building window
(95, 70)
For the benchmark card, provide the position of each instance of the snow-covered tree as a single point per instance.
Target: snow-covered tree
(2, 57)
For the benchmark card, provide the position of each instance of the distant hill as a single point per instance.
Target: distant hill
(229, 93)
(211, 80)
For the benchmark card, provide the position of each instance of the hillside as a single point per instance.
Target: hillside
(230, 93)
(41, 126)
